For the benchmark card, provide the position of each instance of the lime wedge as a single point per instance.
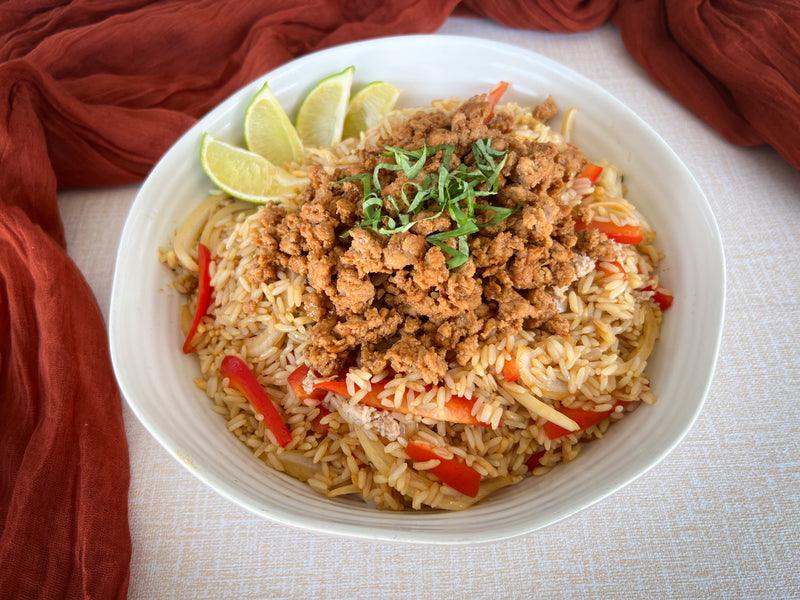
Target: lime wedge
(367, 106)
(320, 117)
(269, 132)
(245, 175)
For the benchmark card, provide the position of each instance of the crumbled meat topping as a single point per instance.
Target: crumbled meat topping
(390, 300)
(546, 110)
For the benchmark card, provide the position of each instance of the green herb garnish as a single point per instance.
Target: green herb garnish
(445, 191)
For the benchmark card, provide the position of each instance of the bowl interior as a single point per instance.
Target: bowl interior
(156, 377)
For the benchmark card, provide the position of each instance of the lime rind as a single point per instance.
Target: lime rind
(367, 106)
(320, 117)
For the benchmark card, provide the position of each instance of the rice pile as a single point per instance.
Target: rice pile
(613, 327)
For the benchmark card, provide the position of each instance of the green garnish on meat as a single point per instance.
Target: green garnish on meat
(446, 191)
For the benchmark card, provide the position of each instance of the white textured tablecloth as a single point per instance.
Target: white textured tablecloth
(718, 518)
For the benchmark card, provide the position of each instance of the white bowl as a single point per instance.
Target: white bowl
(156, 377)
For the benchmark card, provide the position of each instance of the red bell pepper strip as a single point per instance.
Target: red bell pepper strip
(203, 296)
(624, 234)
(456, 410)
(295, 381)
(612, 267)
(241, 377)
(494, 97)
(661, 296)
(451, 471)
(534, 460)
(510, 370)
(337, 387)
(584, 419)
(316, 425)
(592, 172)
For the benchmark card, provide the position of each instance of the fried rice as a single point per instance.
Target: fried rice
(598, 365)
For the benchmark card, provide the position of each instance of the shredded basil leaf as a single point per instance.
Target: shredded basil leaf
(447, 191)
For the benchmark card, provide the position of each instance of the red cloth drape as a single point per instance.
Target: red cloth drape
(93, 93)
(734, 63)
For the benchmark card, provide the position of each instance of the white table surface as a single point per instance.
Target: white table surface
(718, 518)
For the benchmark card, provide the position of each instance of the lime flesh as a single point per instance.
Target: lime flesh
(320, 118)
(268, 130)
(245, 175)
(367, 106)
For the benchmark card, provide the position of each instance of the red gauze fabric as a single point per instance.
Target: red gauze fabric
(734, 63)
(94, 93)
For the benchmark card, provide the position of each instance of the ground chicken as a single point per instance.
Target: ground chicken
(390, 301)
